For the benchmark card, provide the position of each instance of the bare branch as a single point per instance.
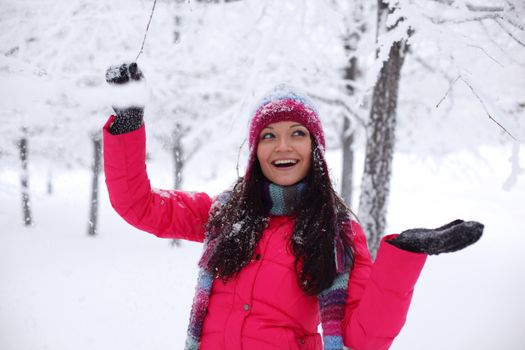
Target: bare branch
(465, 20)
(511, 5)
(513, 22)
(448, 91)
(430, 68)
(509, 33)
(338, 102)
(489, 36)
(485, 108)
(476, 7)
(239, 157)
(421, 61)
(437, 71)
(147, 29)
(483, 8)
(262, 15)
(489, 56)
(190, 153)
(446, 2)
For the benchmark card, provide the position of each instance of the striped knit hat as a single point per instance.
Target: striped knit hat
(283, 104)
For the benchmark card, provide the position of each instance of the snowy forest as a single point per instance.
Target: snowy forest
(422, 103)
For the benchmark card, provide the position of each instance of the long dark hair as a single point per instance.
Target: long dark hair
(236, 226)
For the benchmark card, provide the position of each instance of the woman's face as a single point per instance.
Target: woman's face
(285, 152)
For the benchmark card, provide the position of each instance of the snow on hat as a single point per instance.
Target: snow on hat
(283, 104)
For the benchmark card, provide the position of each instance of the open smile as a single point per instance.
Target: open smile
(285, 163)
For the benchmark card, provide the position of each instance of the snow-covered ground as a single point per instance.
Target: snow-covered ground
(125, 289)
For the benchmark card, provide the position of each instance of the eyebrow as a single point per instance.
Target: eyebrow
(291, 126)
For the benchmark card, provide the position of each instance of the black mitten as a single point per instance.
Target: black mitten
(127, 118)
(451, 237)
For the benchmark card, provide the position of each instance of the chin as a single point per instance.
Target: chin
(286, 182)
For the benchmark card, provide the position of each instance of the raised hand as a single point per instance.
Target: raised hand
(129, 110)
(123, 73)
(455, 235)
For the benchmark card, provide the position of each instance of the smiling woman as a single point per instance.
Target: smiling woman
(284, 152)
(282, 252)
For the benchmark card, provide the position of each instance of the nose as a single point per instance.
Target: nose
(283, 145)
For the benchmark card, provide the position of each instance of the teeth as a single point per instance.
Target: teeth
(285, 161)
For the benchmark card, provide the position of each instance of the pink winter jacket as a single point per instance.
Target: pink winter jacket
(263, 308)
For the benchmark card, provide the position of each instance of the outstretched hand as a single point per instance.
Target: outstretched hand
(451, 237)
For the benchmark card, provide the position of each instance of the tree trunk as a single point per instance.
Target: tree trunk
(375, 185)
(49, 182)
(178, 163)
(178, 160)
(347, 177)
(24, 178)
(97, 156)
(357, 27)
(177, 25)
(347, 137)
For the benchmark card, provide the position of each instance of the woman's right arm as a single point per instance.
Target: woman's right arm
(166, 214)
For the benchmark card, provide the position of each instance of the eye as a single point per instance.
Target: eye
(267, 136)
(299, 132)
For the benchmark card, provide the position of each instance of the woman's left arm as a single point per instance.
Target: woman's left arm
(379, 293)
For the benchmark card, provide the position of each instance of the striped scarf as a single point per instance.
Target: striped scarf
(282, 200)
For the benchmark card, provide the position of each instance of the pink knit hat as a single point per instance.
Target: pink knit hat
(284, 105)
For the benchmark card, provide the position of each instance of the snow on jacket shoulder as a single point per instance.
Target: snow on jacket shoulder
(166, 214)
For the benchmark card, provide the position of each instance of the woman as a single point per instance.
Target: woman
(282, 252)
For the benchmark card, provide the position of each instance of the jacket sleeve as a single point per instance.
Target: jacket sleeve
(166, 214)
(379, 293)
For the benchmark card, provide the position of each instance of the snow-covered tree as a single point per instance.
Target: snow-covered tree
(419, 25)
(206, 64)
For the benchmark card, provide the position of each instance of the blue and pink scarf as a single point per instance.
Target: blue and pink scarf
(282, 200)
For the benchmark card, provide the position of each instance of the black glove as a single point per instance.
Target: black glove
(451, 237)
(126, 118)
